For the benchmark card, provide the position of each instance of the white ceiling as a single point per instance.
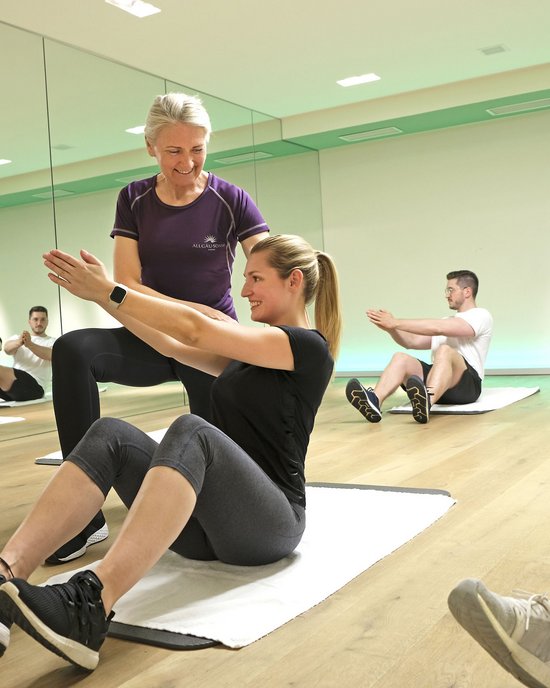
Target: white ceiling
(283, 58)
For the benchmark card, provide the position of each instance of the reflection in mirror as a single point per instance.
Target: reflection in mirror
(93, 156)
(91, 105)
(26, 219)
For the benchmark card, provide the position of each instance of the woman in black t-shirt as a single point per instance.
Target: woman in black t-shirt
(233, 491)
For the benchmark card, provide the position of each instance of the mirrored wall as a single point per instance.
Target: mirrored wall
(63, 129)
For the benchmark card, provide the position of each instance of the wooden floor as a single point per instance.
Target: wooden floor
(390, 627)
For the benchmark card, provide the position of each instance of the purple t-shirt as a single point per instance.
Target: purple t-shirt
(187, 252)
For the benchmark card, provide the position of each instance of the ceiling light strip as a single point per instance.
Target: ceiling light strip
(371, 134)
(519, 107)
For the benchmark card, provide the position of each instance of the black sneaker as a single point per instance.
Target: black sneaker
(420, 398)
(364, 400)
(96, 531)
(5, 625)
(68, 619)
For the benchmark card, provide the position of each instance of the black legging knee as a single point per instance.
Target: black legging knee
(82, 358)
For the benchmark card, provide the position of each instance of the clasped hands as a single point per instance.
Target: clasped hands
(85, 277)
(382, 319)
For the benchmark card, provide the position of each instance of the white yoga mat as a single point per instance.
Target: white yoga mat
(348, 530)
(491, 398)
(24, 403)
(10, 419)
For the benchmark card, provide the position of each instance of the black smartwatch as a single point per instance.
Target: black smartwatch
(118, 295)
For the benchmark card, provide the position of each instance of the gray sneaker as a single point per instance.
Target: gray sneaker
(515, 632)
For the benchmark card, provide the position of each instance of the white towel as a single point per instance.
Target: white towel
(347, 531)
(491, 398)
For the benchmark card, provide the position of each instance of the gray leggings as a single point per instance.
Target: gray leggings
(241, 517)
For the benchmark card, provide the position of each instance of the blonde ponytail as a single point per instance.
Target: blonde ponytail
(288, 252)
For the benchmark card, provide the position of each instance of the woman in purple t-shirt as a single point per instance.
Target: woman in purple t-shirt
(175, 237)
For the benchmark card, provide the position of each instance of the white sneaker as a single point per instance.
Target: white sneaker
(515, 632)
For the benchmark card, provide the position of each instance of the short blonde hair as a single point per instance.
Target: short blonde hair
(174, 108)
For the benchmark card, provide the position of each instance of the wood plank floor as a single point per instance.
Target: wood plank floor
(390, 627)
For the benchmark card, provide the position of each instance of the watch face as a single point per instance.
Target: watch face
(118, 294)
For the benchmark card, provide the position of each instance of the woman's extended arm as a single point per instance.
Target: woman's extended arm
(87, 279)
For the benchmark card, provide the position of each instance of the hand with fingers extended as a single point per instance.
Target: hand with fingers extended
(85, 277)
(382, 319)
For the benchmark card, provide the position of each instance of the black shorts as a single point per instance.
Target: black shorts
(24, 388)
(466, 391)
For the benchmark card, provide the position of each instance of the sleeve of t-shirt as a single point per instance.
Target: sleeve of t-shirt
(125, 223)
(249, 219)
(479, 318)
(309, 348)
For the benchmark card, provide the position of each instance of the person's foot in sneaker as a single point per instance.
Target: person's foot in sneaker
(420, 398)
(515, 632)
(364, 400)
(68, 619)
(5, 618)
(96, 531)
(5, 625)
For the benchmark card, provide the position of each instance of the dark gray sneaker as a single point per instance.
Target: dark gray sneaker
(68, 619)
(364, 400)
(5, 625)
(420, 398)
(515, 632)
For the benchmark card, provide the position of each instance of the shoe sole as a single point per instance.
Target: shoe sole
(97, 536)
(4, 638)
(420, 403)
(357, 397)
(474, 614)
(74, 652)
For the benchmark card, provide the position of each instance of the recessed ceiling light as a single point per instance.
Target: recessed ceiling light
(244, 157)
(3, 161)
(370, 134)
(136, 7)
(136, 130)
(356, 80)
(526, 106)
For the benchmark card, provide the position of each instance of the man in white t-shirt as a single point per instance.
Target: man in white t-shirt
(31, 375)
(459, 347)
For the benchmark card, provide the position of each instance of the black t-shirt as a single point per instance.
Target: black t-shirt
(270, 413)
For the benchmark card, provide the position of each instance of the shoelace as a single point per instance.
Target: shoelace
(531, 599)
(82, 596)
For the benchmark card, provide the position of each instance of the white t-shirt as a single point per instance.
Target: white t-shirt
(473, 349)
(40, 369)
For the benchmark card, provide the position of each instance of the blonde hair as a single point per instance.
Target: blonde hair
(288, 252)
(174, 108)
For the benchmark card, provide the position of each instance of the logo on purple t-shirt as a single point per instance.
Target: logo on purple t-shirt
(210, 243)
